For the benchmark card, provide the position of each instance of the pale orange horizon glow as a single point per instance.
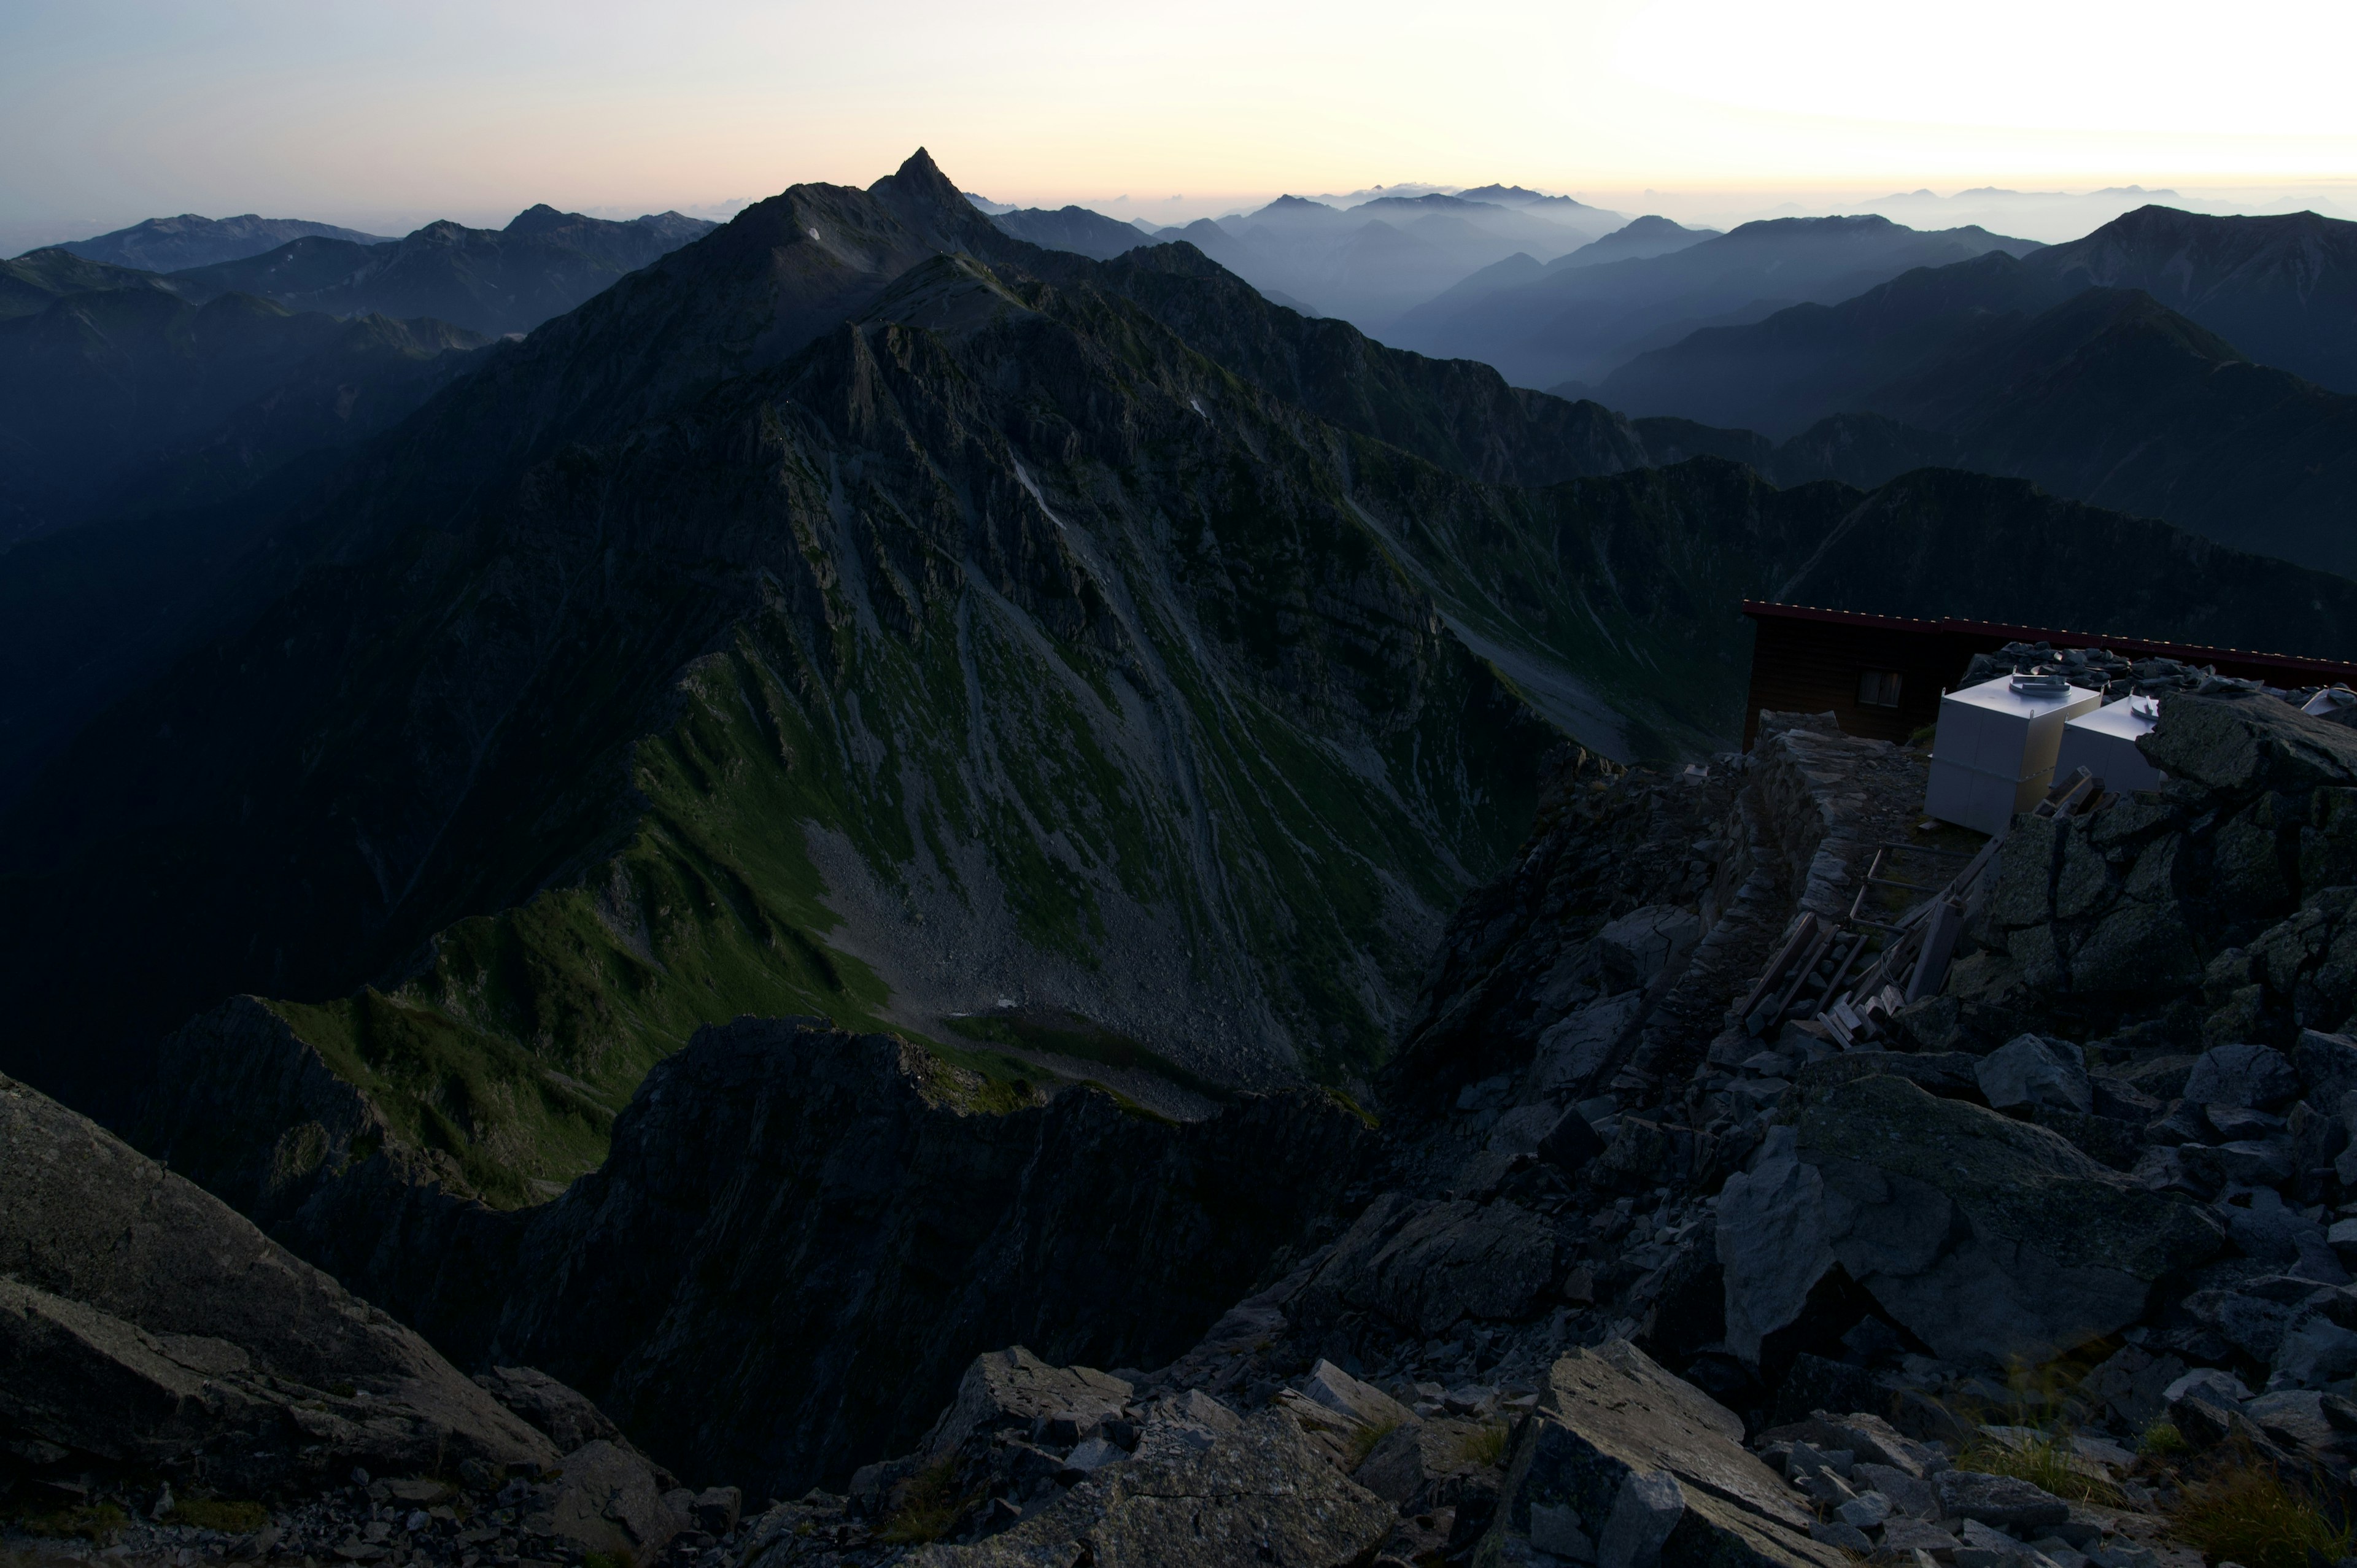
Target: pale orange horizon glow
(382, 115)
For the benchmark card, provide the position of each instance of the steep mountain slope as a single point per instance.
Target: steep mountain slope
(995, 646)
(100, 388)
(494, 281)
(1074, 229)
(38, 279)
(169, 244)
(2283, 289)
(1579, 321)
(2106, 396)
(1640, 238)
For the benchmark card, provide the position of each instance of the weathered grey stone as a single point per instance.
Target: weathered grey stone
(568, 1417)
(143, 1322)
(2246, 744)
(1609, 1414)
(1634, 951)
(2002, 1501)
(1773, 1244)
(1573, 1054)
(2327, 1065)
(2257, 1076)
(1987, 1238)
(2314, 1351)
(605, 1499)
(1648, 1508)
(2266, 1228)
(1261, 1494)
(1425, 1266)
(1911, 1496)
(2131, 1386)
(2137, 948)
(1571, 1142)
(2028, 1071)
(1013, 1391)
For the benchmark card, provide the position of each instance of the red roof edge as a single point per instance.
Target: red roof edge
(2191, 652)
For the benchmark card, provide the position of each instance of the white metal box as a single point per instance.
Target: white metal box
(1995, 750)
(2104, 742)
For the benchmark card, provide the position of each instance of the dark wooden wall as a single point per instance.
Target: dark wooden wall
(1812, 667)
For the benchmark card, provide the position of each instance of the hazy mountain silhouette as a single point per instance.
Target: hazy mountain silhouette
(170, 244)
(1368, 262)
(1578, 321)
(1074, 229)
(488, 280)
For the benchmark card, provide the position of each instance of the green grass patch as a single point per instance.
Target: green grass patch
(1081, 1039)
(101, 1524)
(2247, 1514)
(219, 1513)
(2045, 1462)
(1485, 1445)
(927, 1508)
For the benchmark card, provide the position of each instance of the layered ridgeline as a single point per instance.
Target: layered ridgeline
(2135, 368)
(859, 612)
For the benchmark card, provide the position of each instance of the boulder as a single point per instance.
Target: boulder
(606, 1499)
(2001, 1501)
(1621, 1456)
(2257, 1076)
(1426, 1265)
(2327, 1065)
(2246, 744)
(569, 1418)
(1013, 1391)
(1263, 1493)
(1632, 951)
(1573, 1054)
(2028, 1072)
(1987, 1238)
(144, 1323)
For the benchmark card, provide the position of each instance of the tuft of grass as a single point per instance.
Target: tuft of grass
(1485, 1447)
(621, 1558)
(2162, 1439)
(928, 1510)
(2247, 1514)
(1365, 1441)
(99, 1523)
(216, 1513)
(2045, 1462)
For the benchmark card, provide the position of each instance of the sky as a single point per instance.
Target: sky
(386, 115)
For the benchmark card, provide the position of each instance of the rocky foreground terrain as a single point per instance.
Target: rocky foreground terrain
(2054, 1269)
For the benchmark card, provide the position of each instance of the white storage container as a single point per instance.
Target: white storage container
(1995, 751)
(2104, 742)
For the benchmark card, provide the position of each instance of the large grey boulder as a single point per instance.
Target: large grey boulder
(1012, 1389)
(1632, 951)
(2026, 1073)
(143, 1322)
(1426, 1265)
(1623, 1462)
(1261, 1494)
(2244, 745)
(606, 1499)
(1990, 1238)
(2254, 1076)
(568, 1417)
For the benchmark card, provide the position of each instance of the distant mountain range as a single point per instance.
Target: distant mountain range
(491, 281)
(1073, 228)
(170, 244)
(1575, 321)
(2039, 368)
(863, 611)
(1368, 264)
(488, 280)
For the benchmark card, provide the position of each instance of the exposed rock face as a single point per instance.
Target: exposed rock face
(1625, 1464)
(143, 1322)
(819, 1231)
(1985, 1238)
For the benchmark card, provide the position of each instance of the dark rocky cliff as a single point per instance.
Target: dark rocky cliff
(814, 1230)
